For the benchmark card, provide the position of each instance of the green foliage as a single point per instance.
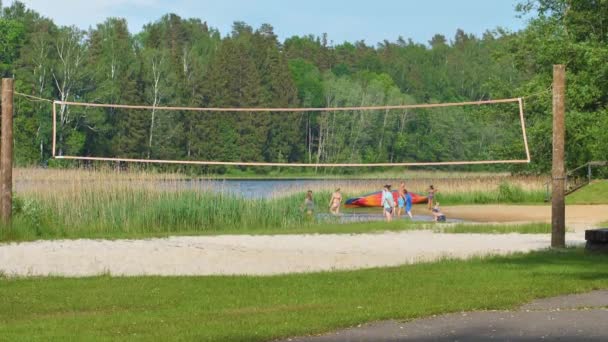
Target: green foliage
(571, 33)
(11, 38)
(309, 82)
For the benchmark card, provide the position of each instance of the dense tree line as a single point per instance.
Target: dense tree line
(184, 62)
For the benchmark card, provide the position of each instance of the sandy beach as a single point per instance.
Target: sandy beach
(254, 255)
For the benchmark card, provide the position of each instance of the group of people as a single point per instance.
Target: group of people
(404, 202)
(403, 205)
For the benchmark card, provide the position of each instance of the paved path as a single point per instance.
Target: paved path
(581, 317)
(259, 255)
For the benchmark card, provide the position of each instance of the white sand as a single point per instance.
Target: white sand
(259, 255)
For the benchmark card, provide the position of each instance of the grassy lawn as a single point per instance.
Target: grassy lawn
(594, 193)
(312, 228)
(241, 308)
(527, 228)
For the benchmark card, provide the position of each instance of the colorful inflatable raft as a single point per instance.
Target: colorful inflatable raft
(374, 199)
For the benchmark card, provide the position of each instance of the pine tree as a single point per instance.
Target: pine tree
(286, 135)
(114, 69)
(233, 82)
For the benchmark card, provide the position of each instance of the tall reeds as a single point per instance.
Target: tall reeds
(107, 203)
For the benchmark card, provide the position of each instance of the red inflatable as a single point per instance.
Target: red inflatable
(374, 199)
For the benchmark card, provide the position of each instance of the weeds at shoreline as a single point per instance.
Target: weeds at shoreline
(83, 203)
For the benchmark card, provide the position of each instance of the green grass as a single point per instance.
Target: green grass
(306, 228)
(528, 228)
(22, 232)
(243, 308)
(506, 194)
(134, 212)
(594, 193)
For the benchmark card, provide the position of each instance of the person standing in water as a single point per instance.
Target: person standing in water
(309, 204)
(431, 195)
(335, 202)
(408, 204)
(400, 199)
(388, 203)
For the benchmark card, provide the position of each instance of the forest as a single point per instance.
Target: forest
(178, 61)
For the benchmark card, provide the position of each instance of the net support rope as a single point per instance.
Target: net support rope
(518, 100)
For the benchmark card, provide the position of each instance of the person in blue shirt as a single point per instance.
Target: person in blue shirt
(408, 204)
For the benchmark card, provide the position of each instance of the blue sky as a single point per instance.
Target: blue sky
(343, 20)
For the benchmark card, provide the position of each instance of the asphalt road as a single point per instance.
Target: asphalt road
(582, 317)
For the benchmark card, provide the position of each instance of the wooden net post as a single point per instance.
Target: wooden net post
(558, 209)
(6, 153)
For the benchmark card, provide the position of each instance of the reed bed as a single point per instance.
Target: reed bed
(151, 173)
(476, 189)
(108, 203)
(466, 188)
(34, 174)
(114, 211)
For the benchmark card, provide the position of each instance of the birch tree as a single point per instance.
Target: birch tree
(115, 70)
(68, 76)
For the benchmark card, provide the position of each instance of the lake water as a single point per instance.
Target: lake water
(268, 188)
(251, 189)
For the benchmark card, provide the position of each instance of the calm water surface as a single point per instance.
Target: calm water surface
(268, 188)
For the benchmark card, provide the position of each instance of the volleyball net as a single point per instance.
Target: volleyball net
(464, 133)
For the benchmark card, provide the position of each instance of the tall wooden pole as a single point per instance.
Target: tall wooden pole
(6, 153)
(558, 210)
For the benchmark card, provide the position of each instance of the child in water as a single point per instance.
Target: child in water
(437, 214)
(309, 204)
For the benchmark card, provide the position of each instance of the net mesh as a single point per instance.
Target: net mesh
(467, 133)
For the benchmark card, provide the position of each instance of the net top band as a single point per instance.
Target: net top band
(287, 109)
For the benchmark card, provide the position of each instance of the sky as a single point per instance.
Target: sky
(343, 20)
